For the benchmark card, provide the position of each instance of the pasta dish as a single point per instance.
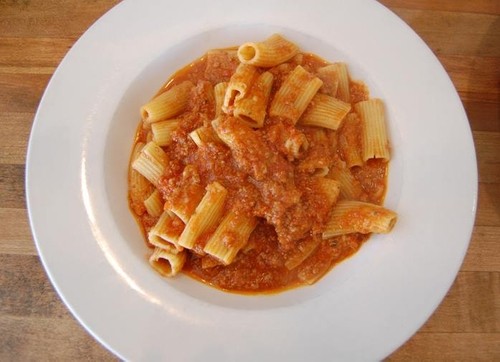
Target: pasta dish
(258, 168)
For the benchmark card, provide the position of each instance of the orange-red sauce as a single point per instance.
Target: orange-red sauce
(263, 182)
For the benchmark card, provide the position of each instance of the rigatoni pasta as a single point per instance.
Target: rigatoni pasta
(268, 53)
(350, 216)
(184, 200)
(168, 104)
(139, 187)
(375, 142)
(230, 236)
(350, 138)
(154, 204)
(303, 250)
(349, 186)
(343, 90)
(166, 232)
(162, 131)
(258, 168)
(329, 75)
(294, 95)
(207, 215)
(167, 262)
(151, 162)
(204, 135)
(251, 108)
(239, 85)
(325, 111)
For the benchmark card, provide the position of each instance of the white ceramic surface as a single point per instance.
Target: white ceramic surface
(94, 254)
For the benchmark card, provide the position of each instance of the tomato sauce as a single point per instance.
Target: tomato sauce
(264, 181)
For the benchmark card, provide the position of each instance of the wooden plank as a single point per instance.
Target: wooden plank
(445, 22)
(455, 347)
(467, 96)
(455, 33)
(471, 306)
(21, 92)
(26, 289)
(487, 146)
(48, 339)
(14, 134)
(488, 156)
(484, 250)
(488, 208)
(483, 116)
(474, 75)
(27, 70)
(33, 52)
(476, 6)
(489, 172)
(15, 237)
(38, 18)
(12, 186)
(480, 45)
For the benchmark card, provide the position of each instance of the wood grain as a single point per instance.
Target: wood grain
(12, 186)
(14, 134)
(450, 347)
(483, 251)
(50, 19)
(33, 52)
(459, 6)
(470, 306)
(21, 92)
(488, 210)
(483, 116)
(35, 36)
(48, 339)
(476, 78)
(16, 236)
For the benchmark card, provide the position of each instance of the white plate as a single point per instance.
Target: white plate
(94, 254)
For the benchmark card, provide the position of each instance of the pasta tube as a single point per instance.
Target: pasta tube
(303, 250)
(207, 215)
(252, 108)
(162, 131)
(375, 141)
(350, 217)
(294, 95)
(165, 233)
(168, 104)
(219, 94)
(229, 237)
(350, 140)
(272, 51)
(325, 111)
(167, 263)
(184, 202)
(350, 188)
(330, 77)
(239, 85)
(139, 186)
(154, 204)
(151, 162)
(203, 135)
(343, 90)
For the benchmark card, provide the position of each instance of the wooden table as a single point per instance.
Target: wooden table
(34, 37)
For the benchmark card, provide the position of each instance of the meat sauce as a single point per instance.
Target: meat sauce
(263, 182)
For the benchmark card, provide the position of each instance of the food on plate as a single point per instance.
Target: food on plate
(259, 168)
